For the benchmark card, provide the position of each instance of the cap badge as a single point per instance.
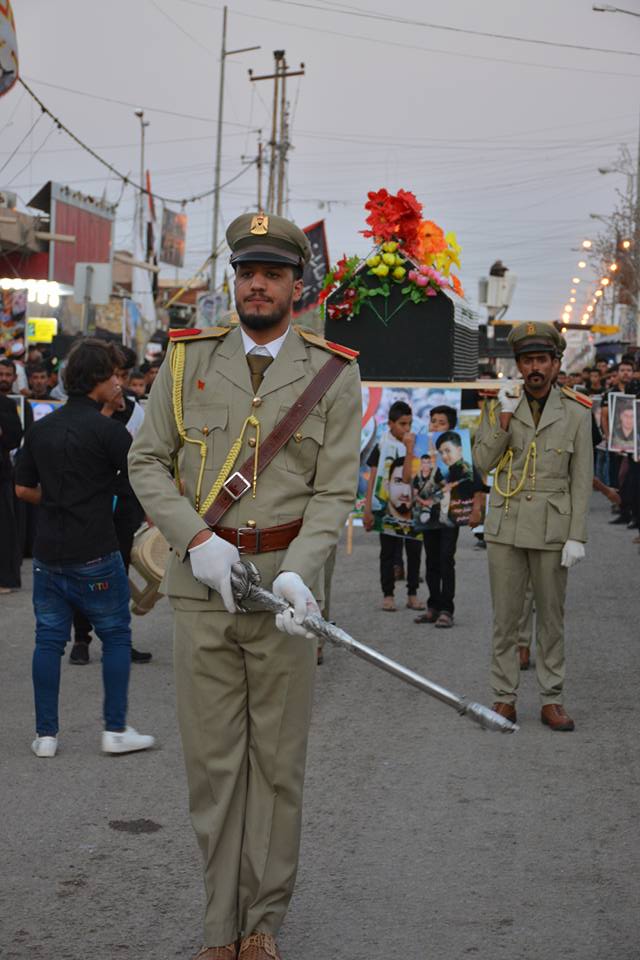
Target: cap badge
(260, 225)
(531, 329)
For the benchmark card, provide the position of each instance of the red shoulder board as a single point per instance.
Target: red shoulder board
(579, 397)
(185, 332)
(194, 333)
(346, 352)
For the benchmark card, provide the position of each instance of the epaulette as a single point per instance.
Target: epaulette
(195, 333)
(346, 352)
(579, 397)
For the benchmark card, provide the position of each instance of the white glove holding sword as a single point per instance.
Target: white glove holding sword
(211, 561)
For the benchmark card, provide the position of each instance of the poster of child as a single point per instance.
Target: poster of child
(442, 482)
(376, 402)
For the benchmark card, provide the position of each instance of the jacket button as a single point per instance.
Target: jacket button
(205, 431)
(528, 497)
(297, 437)
(251, 524)
(252, 441)
(256, 402)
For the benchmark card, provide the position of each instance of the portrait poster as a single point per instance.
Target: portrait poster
(439, 491)
(622, 423)
(173, 237)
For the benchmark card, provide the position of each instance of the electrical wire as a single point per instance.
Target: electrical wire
(182, 201)
(32, 156)
(387, 18)
(128, 103)
(179, 26)
(26, 136)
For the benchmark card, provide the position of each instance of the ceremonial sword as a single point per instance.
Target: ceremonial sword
(245, 581)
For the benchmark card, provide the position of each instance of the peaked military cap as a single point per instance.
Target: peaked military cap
(536, 337)
(265, 238)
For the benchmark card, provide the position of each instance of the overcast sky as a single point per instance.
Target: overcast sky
(501, 140)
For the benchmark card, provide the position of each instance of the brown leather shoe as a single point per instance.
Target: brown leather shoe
(230, 952)
(506, 710)
(259, 946)
(524, 657)
(556, 717)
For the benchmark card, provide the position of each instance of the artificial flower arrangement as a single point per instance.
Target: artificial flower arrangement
(412, 254)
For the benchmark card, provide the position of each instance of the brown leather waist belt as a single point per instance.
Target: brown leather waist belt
(242, 480)
(252, 540)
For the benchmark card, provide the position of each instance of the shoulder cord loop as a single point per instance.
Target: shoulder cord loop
(507, 462)
(177, 362)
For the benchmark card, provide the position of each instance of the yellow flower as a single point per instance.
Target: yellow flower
(389, 259)
(381, 271)
(398, 273)
(390, 246)
(373, 261)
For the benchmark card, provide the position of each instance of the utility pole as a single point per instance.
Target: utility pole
(636, 242)
(279, 143)
(224, 53)
(258, 160)
(141, 196)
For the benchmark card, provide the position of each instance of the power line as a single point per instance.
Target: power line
(179, 26)
(128, 103)
(435, 50)
(31, 157)
(386, 18)
(27, 134)
(182, 201)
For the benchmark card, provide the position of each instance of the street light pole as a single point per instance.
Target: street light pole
(140, 211)
(224, 53)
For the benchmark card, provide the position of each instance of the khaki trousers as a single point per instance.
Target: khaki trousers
(244, 694)
(525, 624)
(509, 571)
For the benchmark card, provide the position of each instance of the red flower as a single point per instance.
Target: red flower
(393, 217)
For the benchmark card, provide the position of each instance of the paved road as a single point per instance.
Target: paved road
(424, 837)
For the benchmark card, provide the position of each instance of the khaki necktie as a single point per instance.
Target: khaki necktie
(257, 366)
(536, 412)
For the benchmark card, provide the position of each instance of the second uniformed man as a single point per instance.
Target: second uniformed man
(539, 445)
(244, 683)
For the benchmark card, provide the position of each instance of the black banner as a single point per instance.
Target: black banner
(317, 268)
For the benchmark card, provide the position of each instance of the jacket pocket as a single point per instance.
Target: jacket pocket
(206, 423)
(301, 451)
(558, 518)
(557, 457)
(493, 518)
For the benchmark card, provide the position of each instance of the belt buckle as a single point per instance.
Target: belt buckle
(242, 530)
(236, 496)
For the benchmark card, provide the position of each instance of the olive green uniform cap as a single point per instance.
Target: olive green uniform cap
(536, 337)
(266, 238)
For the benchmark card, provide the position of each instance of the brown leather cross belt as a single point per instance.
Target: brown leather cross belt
(252, 540)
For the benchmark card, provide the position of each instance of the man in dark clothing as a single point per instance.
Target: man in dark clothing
(128, 513)
(10, 437)
(624, 472)
(69, 464)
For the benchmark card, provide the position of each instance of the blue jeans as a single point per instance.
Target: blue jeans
(100, 589)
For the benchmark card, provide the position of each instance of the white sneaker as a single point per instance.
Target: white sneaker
(45, 746)
(125, 742)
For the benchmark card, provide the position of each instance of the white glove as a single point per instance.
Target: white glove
(508, 404)
(292, 588)
(572, 552)
(211, 563)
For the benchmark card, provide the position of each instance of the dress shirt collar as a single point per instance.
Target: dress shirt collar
(270, 349)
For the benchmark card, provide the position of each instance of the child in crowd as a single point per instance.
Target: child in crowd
(400, 419)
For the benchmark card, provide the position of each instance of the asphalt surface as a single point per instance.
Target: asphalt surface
(425, 838)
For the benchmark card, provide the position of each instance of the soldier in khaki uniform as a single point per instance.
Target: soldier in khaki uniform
(244, 683)
(539, 445)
